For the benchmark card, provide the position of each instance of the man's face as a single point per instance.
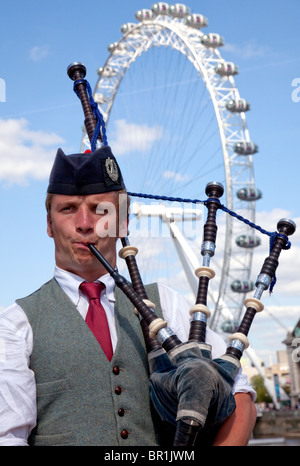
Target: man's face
(75, 222)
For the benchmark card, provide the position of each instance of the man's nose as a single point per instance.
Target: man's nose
(84, 220)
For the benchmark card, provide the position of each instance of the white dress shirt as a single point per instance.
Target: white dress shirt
(17, 381)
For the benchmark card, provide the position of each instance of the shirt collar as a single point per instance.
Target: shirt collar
(70, 282)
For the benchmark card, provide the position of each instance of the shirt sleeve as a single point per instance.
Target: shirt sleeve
(176, 312)
(17, 382)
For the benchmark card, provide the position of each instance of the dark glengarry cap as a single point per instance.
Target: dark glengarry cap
(88, 173)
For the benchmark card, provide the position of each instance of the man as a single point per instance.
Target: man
(58, 386)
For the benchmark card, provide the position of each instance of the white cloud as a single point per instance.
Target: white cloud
(249, 50)
(128, 137)
(175, 176)
(25, 153)
(37, 52)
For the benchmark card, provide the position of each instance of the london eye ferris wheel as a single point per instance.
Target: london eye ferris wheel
(175, 121)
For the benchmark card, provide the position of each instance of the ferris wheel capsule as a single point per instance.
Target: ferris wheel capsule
(196, 21)
(212, 40)
(226, 69)
(106, 72)
(111, 47)
(230, 326)
(245, 148)
(127, 27)
(242, 286)
(161, 8)
(249, 194)
(116, 47)
(144, 14)
(238, 106)
(179, 10)
(248, 241)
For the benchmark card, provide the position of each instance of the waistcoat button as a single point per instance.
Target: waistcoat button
(121, 412)
(124, 434)
(116, 370)
(118, 390)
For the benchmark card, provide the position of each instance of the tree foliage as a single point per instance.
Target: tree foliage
(257, 383)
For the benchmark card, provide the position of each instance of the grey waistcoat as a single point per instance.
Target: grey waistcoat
(77, 399)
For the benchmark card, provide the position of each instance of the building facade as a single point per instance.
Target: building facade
(292, 343)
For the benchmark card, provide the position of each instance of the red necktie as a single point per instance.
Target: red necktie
(96, 318)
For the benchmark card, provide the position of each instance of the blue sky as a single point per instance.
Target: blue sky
(38, 40)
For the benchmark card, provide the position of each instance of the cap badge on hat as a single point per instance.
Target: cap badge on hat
(112, 169)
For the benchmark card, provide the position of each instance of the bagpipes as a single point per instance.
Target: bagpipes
(189, 390)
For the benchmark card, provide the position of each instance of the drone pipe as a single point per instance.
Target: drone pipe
(77, 71)
(200, 312)
(239, 340)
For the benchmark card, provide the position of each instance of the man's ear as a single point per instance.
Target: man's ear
(49, 227)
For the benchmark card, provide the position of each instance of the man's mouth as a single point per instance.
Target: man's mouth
(83, 244)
